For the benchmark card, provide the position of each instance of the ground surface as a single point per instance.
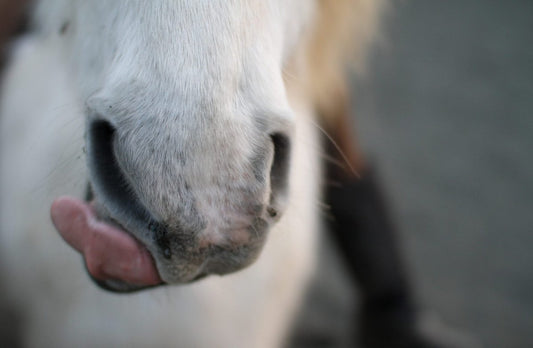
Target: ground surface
(447, 113)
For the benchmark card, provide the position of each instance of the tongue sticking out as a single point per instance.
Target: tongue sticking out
(109, 252)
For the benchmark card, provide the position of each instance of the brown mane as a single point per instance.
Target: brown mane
(338, 42)
(320, 69)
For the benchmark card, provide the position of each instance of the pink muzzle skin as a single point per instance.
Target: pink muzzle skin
(109, 252)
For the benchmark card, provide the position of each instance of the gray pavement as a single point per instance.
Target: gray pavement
(446, 113)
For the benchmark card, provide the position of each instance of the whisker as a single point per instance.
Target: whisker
(255, 231)
(337, 147)
(324, 206)
(332, 160)
(289, 75)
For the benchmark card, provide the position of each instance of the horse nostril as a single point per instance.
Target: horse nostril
(272, 212)
(108, 180)
(279, 171)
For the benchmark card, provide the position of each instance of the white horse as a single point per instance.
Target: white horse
(194, 124)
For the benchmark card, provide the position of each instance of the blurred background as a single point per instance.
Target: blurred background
(446, 114)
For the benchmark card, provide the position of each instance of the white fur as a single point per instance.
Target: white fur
(173, 75)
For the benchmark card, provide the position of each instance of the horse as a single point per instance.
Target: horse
(192, 129)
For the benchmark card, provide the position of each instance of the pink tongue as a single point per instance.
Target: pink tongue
(109, 252)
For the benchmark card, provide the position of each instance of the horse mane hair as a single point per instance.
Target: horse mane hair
(337, 45)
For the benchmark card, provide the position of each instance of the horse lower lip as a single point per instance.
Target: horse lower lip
(109, 252)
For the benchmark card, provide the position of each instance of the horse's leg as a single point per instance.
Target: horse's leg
(361, 225)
